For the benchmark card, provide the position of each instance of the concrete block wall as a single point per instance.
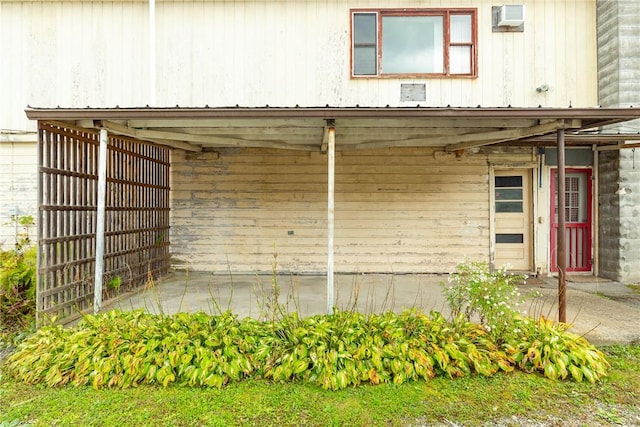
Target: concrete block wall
(609, 215)
(629, 200)
(608, 49)
(618, 29)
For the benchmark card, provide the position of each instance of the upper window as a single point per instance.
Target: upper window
(414, 43)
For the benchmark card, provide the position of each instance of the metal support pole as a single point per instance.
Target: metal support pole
(100, 217)
(561, 249)
(596, 218)
(331, 159)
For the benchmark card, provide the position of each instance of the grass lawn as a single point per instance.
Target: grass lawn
(505, 399)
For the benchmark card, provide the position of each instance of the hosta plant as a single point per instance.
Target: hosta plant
(349, 348)
(547, 347)
(125, 349)
(120, 349)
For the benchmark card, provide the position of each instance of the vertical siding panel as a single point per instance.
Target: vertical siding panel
(255, 53)
(198, 54)
(554, 38)
(18, 163)
(571, 78)
(486, 59)
(522, 79)
(535, 22)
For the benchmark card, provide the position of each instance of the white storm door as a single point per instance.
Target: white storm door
(512, 219)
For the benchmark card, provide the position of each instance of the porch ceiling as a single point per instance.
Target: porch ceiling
(305, 128)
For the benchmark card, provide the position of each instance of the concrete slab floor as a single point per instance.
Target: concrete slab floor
(603, 311)
(252, 295)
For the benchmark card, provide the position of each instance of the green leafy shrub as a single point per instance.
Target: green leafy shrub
(125, 349)
(547, 347)
(533, 345)
(17, 285)
(349, 348)
(492, 298)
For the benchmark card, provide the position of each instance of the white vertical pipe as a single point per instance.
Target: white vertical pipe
(331, 148)
(40, 259)
(152, 53)
(100, 217)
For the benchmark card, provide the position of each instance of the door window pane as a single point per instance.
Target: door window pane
(509, 194)
(412, 44)
(575, 198)
(509, 181)
(508, 207)
(509, 238)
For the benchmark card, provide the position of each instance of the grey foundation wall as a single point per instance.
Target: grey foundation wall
(629, 200)
(609, 215)
(619, 209)
(618, 25)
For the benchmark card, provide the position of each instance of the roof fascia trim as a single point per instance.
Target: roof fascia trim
(616, 114)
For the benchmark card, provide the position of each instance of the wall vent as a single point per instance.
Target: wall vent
(413, 92)
(511, 15)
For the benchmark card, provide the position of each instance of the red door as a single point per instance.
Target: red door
(577, 219)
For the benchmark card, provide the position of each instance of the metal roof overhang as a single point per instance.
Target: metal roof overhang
(305, 128)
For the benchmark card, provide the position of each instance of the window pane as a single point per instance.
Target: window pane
(509, 181)
(460, 29)
(412, 44)
(508, 207)
(575, 197)
(365, 42)
(460, 59)
(509, 194)
(364, 61)
(364, 28)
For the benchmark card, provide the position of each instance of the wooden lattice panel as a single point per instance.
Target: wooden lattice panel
(136, 217)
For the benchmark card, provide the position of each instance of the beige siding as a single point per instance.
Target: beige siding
(18, 186)
(400, 210)
(71, 54)
(256, 53)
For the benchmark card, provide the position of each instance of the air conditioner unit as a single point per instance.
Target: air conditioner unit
(511, 15)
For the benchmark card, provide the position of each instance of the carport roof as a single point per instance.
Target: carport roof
(305, 128)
